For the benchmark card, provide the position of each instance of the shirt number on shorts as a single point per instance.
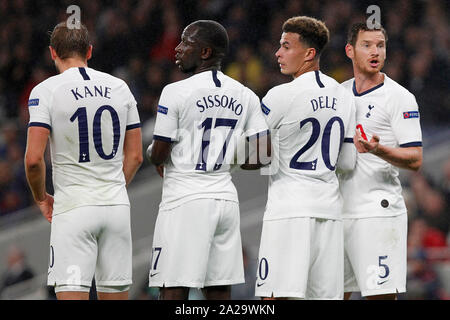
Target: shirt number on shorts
(312, 165)
(83, 133)
(206, 137)
(156, 249)
(385, 266)
(263, 269)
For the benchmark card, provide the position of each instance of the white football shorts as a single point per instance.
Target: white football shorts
(91, 240)
(375, 255)
(301, 258)
(197, 244)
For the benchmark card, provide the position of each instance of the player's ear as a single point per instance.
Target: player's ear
(53, 53)
(349, 51)
(206, 53)
(89, 52)
(310, 54)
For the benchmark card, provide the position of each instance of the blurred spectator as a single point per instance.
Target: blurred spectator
(17, 268)
(446, 179)
(164, 49)
(247, 68)
(423, 280)
(430, 203)
(13, 186)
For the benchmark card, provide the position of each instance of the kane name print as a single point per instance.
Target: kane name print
(90, 92)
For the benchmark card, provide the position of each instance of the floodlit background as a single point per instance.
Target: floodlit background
(135, 40)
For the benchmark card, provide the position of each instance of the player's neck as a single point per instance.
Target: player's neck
(68, 63)
(307, 67)
(364, 81)
(208, 67)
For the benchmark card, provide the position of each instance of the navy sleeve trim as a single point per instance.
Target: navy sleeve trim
(84, 73)
(40, 124)
(318, 79)
(215, 79)
(133, 126)
(257, 135)
(265, 109)
(161, 138)
(348, 140)
(411, 144)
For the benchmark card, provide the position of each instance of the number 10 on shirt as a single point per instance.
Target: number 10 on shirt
(83, 133)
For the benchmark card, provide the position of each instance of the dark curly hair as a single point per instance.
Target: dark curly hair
(314, 33)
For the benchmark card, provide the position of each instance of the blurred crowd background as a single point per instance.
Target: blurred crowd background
(135, 41)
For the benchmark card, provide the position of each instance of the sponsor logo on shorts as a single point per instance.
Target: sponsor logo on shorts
(153, 274)
(260, 284)
(378, 274)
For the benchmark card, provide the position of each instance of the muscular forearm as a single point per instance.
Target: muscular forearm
(405, 158)
(131, 165)
(160, 152)
(35, 173)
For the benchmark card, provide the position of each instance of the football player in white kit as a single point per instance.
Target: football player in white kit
(93, 125)
(312, 121)
(197, 241)
(388, 137)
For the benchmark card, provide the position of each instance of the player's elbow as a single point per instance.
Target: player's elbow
(416, 162)
(32, 162)
(134, 157)
(138, 159)
(415, 166)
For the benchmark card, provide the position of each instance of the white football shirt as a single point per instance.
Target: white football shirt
(390, 111)
(87, 112)
(203, 116)
(310, 118)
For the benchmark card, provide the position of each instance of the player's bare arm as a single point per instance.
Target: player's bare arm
(35, 169)
(132, 153)
(260, 150)
(160, 153)
(405, 158)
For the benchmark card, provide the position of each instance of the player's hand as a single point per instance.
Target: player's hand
(149, 152)
(364, 146)
(46, 207)
(160, 170)
(356, 141)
